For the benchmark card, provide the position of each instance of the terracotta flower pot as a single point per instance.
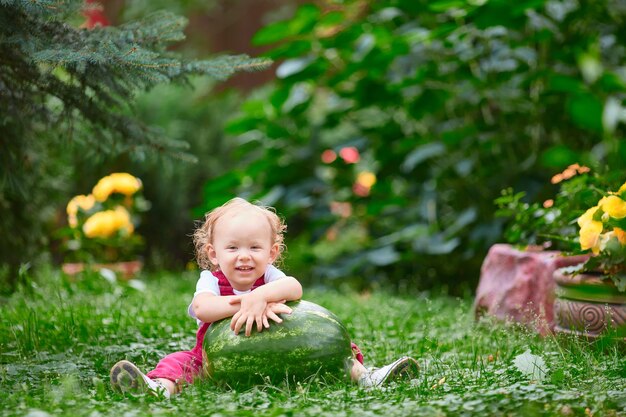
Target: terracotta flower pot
(125, 270)
(588, 305)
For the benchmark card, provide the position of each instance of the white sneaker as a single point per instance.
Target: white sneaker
(126, 377)
(402, 368)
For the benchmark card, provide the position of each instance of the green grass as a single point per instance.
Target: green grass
(58, 340)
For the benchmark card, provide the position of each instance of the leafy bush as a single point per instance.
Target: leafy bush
(446, 103)
(551, 223)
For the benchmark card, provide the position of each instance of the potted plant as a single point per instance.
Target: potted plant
(101, 227)
(516, 281)
(591, 296)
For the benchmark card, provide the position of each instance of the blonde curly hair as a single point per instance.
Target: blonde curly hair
(203, 235)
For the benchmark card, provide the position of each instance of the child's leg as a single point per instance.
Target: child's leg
(357, 370)
(172, 370)
(404, 367)
(169, 374)
(178, 368)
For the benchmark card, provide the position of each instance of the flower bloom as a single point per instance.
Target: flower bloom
(341, 209)
(569, 172)
(589, 236)
(350, 154)
(590, 230)
(364, 182)
(613, 206)
(119, 182)
(107, 223)
(587, 216)
(366, 179)
(328, 156)
(83, 202)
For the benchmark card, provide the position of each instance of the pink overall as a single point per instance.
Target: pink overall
(185, 366)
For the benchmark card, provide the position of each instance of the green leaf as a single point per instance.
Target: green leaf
(559, 156)
(293, 66)
(445, 5)
(531, 365)
(620, 282)
(332, 19)
(612, 83)
(272, 33)
(586, 112)
(290, 49)
(565, 84)
(422, 153)
(436, 244)
(383, 256)
(241, 125)
(304, 20)
(557, 376)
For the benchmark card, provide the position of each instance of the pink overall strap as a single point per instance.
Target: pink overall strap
(227, 289)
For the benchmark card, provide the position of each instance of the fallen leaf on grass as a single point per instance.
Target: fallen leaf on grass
(531, 365)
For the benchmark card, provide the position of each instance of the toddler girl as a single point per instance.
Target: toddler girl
(237, 246)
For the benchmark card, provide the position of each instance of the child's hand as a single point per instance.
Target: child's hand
(252, 311)
(272, 310)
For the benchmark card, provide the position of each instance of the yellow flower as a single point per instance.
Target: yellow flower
(83, 202)
(122, 220)
(622, 188)
(613, 206)
(119, 182)
(587, 217)
(107, 223)
(366, 179)
(100, 224)
(589, 235)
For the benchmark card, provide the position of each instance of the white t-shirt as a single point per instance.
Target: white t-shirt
(209, 283)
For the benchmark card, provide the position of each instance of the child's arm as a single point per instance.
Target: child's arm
(253, 305)
(208, 307)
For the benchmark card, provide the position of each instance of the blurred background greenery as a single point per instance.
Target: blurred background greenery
(383, 132)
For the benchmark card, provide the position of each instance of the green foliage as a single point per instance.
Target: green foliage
(59, 339)
(447, 103)
(65, 93)
(551, 223)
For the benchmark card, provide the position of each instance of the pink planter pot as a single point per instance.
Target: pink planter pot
(518, 285)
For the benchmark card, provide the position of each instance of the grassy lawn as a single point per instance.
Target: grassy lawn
(59, 339)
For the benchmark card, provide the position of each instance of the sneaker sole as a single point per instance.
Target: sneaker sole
(125, 377)
(406, 367)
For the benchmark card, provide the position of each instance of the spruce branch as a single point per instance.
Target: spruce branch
(94, 74)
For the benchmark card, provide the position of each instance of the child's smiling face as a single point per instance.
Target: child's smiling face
(242, 247)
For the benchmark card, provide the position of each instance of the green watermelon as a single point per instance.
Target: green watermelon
(310, 341)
